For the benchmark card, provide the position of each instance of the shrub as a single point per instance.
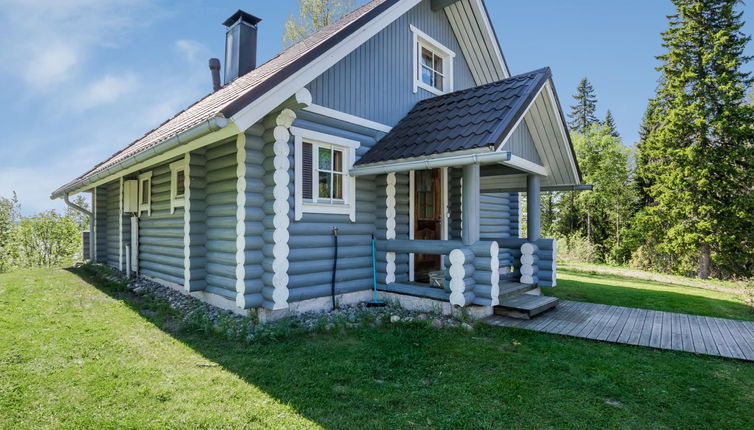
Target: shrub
(576, 248)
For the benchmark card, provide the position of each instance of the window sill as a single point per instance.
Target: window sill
(430, 88)
(329, 209)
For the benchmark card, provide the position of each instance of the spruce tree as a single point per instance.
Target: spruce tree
(610, 123)
(582, 113)
(698, 158)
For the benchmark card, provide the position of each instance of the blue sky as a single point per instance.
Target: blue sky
(83, 78)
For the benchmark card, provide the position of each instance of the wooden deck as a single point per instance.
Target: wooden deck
(656, 329)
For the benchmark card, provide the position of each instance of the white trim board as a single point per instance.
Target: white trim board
(175, 167)
(478, 42)
(347, 117)
(421, 38)
(349, 147)
(525, 165)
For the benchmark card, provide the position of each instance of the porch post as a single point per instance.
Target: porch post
(470, 207)
(533, 211)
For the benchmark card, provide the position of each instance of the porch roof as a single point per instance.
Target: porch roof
(475, 118)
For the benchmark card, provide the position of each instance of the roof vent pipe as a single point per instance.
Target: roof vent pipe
(240, 45)
(214, 66)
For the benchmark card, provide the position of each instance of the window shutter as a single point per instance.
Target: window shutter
(306, 174)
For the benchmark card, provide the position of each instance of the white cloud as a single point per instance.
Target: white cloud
(46, 41)
(50, 65)
(85, 102)
(105, 91)
(191, 50)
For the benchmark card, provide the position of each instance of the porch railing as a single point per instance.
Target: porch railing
(530, 262)
(472, 271)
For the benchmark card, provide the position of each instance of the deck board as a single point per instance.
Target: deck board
(632, 326)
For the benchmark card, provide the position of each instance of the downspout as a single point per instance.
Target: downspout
(76, 207)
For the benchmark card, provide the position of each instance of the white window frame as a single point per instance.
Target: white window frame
(145, 177)
(317, 140)
(421, 39)
(177, 201)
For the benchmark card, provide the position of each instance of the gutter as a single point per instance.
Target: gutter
(76, 207)
(202, 129)
(434, 163)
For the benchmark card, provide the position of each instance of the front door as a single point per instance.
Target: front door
(428, 222)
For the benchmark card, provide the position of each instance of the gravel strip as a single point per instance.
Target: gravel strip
(196, 314)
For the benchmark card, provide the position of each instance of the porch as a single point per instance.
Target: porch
(480, 260)
(452, 171)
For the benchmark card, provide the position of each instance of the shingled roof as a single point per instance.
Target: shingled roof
(241, 92)
(468, 119)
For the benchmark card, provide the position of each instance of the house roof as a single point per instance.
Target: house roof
(233, 97)
(473, 118)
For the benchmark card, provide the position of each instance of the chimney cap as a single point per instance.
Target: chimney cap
(243, 16)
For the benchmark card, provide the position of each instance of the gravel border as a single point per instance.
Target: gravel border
(196, 314)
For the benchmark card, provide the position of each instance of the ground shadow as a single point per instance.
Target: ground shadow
(413, 376)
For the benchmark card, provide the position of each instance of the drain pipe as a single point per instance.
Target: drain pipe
(76, 207)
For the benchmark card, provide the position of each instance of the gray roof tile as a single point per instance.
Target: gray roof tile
(472, 118)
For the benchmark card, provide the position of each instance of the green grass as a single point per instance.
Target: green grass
(613, 286)
(74, 354)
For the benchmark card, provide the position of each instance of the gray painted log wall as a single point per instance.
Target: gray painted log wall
(100, 223)
(357, 84)
(311, 240)
(161, 232)
(220, 191)
(498, 215)
(195, 240)
(113, 226)
(254, 221)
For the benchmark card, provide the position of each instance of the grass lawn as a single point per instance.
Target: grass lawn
(614, 286)
(78, 355)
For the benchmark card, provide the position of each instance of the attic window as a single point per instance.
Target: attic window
(323, 184)
(178, 184)
(433, 64)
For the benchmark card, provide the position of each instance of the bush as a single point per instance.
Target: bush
(576, 248)
(45, 240)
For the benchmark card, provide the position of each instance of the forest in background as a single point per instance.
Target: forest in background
(680, 201)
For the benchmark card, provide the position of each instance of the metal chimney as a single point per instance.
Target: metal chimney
(214, 66)
(240, 45)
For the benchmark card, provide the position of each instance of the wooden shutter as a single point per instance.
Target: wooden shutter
(306, 173)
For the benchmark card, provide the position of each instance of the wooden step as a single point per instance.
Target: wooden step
(512, 289)
(525, 306)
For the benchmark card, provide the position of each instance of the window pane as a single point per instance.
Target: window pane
(438, 81)
(180, 186)
(426, 57)
(427, 75)
(325, 179)
(325, 159)
(144, 192)
(438, 64)
(338, 191)
(337, 161)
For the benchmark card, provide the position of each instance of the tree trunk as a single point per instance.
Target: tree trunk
(589, 226)
(704, 261)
